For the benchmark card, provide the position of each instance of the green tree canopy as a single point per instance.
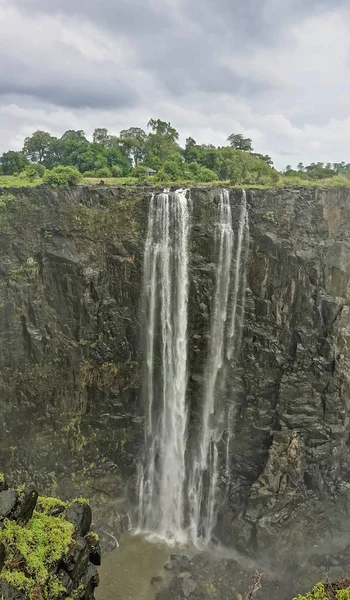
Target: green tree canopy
(72, 134)
(133, 142)
(161, 145)
(13, 162)
(100, 136)
(238, 142)
(37, 146)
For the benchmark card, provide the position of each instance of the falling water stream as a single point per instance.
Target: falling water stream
(165, 289)
(204, 469)
(177, 501)
(163, 478)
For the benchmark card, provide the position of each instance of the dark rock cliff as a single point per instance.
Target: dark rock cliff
(70, 364)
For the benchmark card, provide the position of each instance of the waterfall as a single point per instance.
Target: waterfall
(172, 496)
(237, 310)
(204, 475)
(165, 299)
(217, 414)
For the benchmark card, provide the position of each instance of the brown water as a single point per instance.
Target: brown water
(126, 572)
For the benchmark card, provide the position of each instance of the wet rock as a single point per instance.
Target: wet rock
(8, 501)
(95, 554)
(65, 580)
(177, 563)
(189, 586)
(90, 581)
(2, 556)
(3, 484)
(26, 505)
(8, 592)
(79, 513)
(79, 559)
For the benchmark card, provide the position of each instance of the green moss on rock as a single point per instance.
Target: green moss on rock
(50, 506)
(332, 590)
(40, 545)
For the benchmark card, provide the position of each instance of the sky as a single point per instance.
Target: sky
(277, 71)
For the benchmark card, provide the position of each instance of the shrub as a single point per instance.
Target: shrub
(117, 171)
(89, 174)
(140, 172)
(161, 176)
(30, 173)
(40, 169)
(62, 177)
(103, 172)
(205, 174)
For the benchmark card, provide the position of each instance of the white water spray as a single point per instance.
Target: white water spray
(237, 309)
(162, 476)
(216, 415)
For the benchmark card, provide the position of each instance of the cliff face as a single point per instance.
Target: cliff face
(70, 283)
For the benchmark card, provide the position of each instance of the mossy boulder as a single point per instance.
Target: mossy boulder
(43, 553)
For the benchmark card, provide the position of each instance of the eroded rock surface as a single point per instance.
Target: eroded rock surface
(71, 366)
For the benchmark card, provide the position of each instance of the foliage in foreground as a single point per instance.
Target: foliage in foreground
(331, 590)
(34, 549)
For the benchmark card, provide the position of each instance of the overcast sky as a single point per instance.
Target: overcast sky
(277, 71)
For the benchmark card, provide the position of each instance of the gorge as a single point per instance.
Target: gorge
(254, 451)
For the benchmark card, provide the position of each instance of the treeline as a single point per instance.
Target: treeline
(318, 170)
(156, 153)
(137, 153)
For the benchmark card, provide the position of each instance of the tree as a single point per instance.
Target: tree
(37, 146)
(191, 151)
(265, 157)
(206, 175)
(161, 145)
(100, 136)
(72, 134)
(238, 142)
(301, 167)
(133, 142)
(163, 128)
(13, 162)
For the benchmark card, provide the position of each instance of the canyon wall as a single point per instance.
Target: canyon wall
(71, 366)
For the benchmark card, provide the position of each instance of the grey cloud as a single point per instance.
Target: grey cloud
(177, 62)
(186, 57)
(80, 84)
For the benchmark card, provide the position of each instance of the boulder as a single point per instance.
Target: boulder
(8, 501)
(79, 559)
(3, 484)
(79, 514)
(65, 580)
(26, 505)
(2, 556)
(8, 592)
(95, 554)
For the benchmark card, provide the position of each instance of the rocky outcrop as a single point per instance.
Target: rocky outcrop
(70, 362)
(47, 550)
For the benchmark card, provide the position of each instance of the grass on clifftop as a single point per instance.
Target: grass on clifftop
(9, 181)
